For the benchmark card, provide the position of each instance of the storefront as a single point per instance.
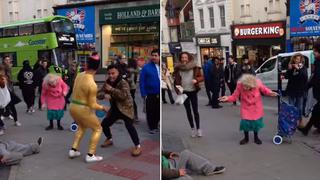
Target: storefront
(131, 31)
(209, 45)
(258, 41)
(304, 25)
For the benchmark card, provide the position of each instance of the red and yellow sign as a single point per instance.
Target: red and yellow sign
(258, 31)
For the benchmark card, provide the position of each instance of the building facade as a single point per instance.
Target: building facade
(212, 20)
(258, 29)
(130, 28)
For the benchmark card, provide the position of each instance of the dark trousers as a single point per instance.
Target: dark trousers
(232, 87)
(223, 88)
(11, 110)
(39, 100)
(28, 94)
(1, 122)
(206, 85)
(153, 111)
(192, 101)
(169, 94)
(133, 92)
(215, 96)
(115, 114)
(315, 118)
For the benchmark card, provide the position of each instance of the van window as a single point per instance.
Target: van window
(268, 66)
(286, 60)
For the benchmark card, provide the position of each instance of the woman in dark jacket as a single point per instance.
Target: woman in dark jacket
(27, 85)
(39, 74)
(188, 75)
(297, 81)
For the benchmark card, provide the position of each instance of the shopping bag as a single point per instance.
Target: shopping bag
(4, 97)
(180, 99)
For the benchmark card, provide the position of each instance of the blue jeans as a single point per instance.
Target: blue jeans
(297, 102)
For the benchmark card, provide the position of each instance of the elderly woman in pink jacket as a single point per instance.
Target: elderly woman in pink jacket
(249, 90)
(54, 90)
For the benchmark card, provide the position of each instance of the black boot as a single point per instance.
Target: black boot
(59, 125)
(245, 140)
(256, 138)
(50, 126)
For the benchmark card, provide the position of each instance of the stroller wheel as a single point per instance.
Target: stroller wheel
(73, 127)
(277, 139)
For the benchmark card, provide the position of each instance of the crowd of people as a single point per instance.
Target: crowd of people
(79, 89)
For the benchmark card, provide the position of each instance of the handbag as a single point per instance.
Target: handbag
(4, 97)
(180, 99)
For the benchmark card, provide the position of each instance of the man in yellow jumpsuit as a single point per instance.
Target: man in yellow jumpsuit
(82, 109)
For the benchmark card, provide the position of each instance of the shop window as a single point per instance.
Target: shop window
(268, 66)
(201, 18)
(26, 30)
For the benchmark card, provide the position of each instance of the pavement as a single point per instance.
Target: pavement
(53, 163)
(220, 144)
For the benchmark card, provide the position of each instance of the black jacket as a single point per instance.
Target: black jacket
(26, 77)
(39, 74)
(315, 80)
(231, 73)
(297, 82)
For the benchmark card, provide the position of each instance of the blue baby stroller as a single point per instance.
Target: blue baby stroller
(288, 119)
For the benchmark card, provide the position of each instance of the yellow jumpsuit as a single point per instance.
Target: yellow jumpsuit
(82, 110)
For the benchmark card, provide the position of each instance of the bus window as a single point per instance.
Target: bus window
(12, 55)
(26, 30)
(1, 32)
(10, 31)
(62, 26)
(41, 28)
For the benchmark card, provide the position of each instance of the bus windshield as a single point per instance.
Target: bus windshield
(62, 26)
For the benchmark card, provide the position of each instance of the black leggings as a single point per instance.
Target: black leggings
(28, 94)
(192, 100)
(11, 110)
(115, 114)
(133, 92)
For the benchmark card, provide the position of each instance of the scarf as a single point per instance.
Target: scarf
(186, 67)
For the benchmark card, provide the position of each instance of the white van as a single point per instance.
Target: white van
(268, 71)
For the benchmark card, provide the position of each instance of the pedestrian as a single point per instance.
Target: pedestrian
(166, 85)
(246, 68)
(150, 90)
(314, 83)
(121, 108)
(11, 152)
(133, 72)
(215, 83)
(10, 109)
(231, 74)
(70, 77)
(54, 90)
(249, 90)
(27, 85)
(39, 74)
(297, 76)
(122, 66)
(221, 77)
(188, 75)
(82, 109)
(4, 100)
(176, 166)
(206, 71)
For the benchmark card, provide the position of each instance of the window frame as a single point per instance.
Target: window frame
(223, 22)
(201, 17)
(211, 18)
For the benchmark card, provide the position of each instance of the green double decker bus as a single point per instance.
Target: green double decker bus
(51, 37)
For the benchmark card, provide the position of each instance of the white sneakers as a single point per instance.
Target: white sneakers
(88, 159)
(74, 154)
(93, 158)
(1, 132)
(17, 123)
(196, 132)
(193, 132)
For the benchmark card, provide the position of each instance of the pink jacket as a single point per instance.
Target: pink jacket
(251, 107)
(53, 97)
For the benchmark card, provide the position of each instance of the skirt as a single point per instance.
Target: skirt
(55, 114)
(251, 125)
